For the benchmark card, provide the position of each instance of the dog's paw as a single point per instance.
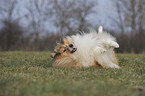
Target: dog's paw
(113, 44)
(114, 66)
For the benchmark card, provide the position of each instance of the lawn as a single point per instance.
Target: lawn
(31, 74)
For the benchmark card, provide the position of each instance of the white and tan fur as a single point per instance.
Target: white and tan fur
(93, 50)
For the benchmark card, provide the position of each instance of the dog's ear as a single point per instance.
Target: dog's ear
(52, 55)
(68, 40)
(65, 41)
(57, 42)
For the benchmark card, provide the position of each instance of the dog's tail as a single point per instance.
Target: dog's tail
(100, 29)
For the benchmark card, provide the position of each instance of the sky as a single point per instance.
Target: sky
(104, 9)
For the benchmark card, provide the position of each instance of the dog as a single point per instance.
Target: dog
(86, 50)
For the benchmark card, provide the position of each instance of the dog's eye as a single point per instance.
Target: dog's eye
(64, 50)
(71, 45)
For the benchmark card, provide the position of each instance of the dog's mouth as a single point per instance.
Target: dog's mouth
(73, 50)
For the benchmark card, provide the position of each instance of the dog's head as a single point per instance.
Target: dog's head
(63, 50)
(69, 42)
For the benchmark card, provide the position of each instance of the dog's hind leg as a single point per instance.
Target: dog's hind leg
(112, 65)
(107, 59)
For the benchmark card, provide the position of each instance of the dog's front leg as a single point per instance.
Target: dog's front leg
(110, 43)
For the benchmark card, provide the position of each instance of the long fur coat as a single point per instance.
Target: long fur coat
(86, 50)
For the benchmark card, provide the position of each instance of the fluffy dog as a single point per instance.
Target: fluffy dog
(86, 50)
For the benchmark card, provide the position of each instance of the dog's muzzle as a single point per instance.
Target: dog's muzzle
(74, 50)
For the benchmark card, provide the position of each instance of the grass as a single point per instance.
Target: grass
(31, 74)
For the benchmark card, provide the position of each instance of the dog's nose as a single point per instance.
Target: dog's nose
(71, 45)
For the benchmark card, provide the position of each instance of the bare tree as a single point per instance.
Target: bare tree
(134, 14)
(36, 15)
(11, 35)
(7, 8)
(131, 16)
(11, 31)
(71, 14)
(118, 17)
(84, 9)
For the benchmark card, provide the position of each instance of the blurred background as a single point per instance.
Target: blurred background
(36, 25)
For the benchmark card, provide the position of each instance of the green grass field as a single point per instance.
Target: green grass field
(31, 74)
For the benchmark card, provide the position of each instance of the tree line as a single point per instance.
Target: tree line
(30, 30)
